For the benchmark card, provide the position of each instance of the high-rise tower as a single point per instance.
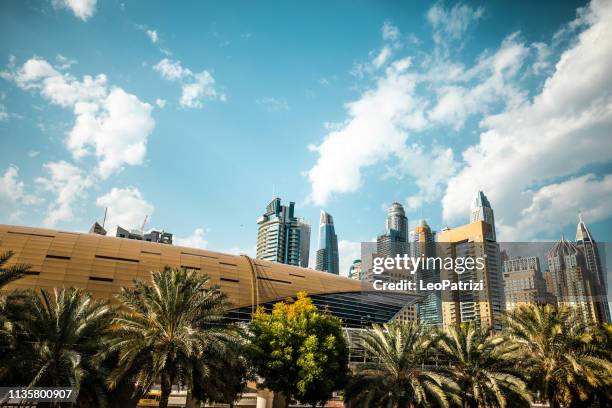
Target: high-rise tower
(481, 211)
(585, 241)
(394, 240)
(423, 244)
(279, 234)
(304, 242)
(327, 252)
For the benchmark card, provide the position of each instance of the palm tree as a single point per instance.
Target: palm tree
(398, 375)
(560, 354)
(483, 366)
(10, 273)
(166, 330)
(57, 336)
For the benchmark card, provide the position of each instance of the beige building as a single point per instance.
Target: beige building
(523, 283)
(483, 306)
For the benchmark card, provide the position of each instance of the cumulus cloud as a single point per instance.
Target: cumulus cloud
(561, 131)
(126, 207)
(195, 240)
(161, 103)
(450, 24)
(83, 9)
(390, 32)
(13, 196)
(196, 86)
(110, 123)
(68, 184)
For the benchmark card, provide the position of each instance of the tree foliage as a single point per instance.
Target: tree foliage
(299, 351)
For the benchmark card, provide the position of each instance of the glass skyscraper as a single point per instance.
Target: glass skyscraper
(482, 211)
(423, 243)
(279, 237)
(327, 253)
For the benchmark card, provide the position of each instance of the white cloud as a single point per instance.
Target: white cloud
(390, 32)
(83, 9)
(68, 183)
(13, 197)
(382, 57)
(348, 251)
(33, 153)
(273, 104)
(152, 35)
(452, 23)
(161, 103)
(64, 62)
(195, 240)
(111, 124)
(126, 207)
(196, 86)
(563, 129)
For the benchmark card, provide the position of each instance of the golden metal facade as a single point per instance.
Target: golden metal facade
(102, 265)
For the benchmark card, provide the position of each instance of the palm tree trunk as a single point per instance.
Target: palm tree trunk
(166, 389)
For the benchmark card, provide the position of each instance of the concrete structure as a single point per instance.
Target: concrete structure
(524, 283)
(481, 211)
(573, 283)
(423, 244)
(279, 236)
(103, 265)
(590, 249)
(304, 242)
(327, 252)
(161, 237)
(482, 306)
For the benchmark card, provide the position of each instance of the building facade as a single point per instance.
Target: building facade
(304, 242)
(524, 283)
(422, 243)
(590, 249)
(355, 270)
(279, 235)
(484, 306)
(327, 252)
(573, 283)
(102, 265)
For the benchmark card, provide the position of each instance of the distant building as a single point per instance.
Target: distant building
(327, 252)
(573, 283)
(355, 271)
(585, 241)
(549, 282)
(160, 237)
(96, 228)
(279, 234)
(523, 283)
(423, 243)
(304, 242)
(481, 211)
(395, 239)
(484, 306)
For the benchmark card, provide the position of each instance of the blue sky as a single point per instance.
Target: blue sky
(196, 114)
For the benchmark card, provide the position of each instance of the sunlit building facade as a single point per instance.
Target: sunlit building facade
(327, 252)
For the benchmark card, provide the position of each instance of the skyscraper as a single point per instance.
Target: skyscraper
(585, 241)
(327, 253)
(304, 242)
(423, 243)
(355, 271)
(279, 234)
(483, 306)
(573, 283)
(524, 283)
(481, 211)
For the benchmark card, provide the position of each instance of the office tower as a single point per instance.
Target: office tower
(279, 234)
(394, 240)
(549, 282)
(524, 283)
(304, 242)
(573, 284)
(160, 237)
(423, 244)
(355, 271)
(481, 211)
(590, 249)
(327, 252)
(483, 306)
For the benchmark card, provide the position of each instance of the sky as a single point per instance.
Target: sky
(196, 115)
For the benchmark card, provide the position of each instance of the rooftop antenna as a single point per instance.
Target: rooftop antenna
(104, 220)
(143, 225)
(580, 216)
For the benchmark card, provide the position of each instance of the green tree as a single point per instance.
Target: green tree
(168, 332)
(398, 375)
(10, 273)
(562, 356)
(298, 351)
(57, 337)
(484, 367)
